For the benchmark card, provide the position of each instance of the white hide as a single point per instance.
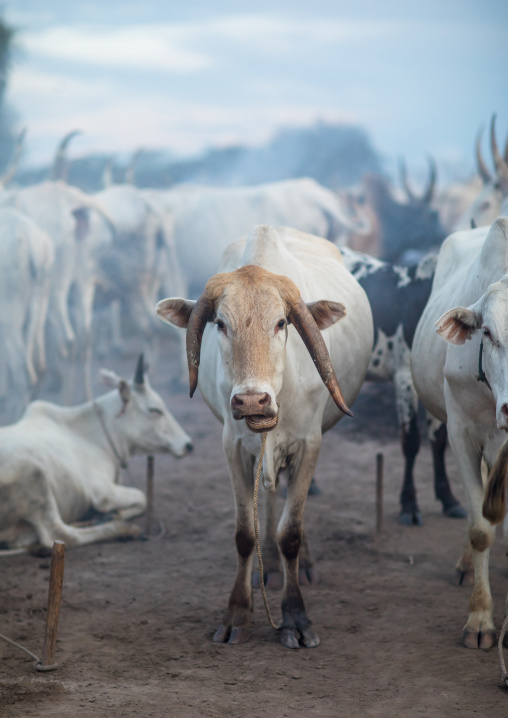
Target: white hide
(26, 263)
(208, 219)
(56, 463)
(471, 273)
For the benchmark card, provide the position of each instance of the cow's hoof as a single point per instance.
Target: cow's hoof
(410, 519)
(232, 635)
(455, 512)
(314, 489)
(481, 639)
(307, 576)
(289, 639)
(464, 577)
(274, 580)
(309, 639)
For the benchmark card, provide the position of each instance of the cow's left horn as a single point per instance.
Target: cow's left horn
(501, 165)
(404, 180)
(139, 375)
(200, 315)
(307, 328)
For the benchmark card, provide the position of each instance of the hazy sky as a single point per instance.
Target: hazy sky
(418, 76)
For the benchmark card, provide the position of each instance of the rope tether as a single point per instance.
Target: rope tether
(504, 679)
(37, 663)
(256, 533)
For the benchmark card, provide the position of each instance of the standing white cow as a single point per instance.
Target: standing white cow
(208, 219)
(255, 334)
(464, 381)
(57, 463)
(26, 264)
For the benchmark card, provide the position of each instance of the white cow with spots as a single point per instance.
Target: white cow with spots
(57, 463)
(459, 366)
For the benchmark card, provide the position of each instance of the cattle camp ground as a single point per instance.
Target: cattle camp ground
(137, 618)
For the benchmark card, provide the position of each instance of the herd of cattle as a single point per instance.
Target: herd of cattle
(285, 303)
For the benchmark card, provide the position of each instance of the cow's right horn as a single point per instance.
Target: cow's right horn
(200, 315)
(483, 170)
(60, 166)
(307, 328)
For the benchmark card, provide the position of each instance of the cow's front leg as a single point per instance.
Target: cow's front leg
(479, 631)
(296, 626)
(235, 627)
(407, 414)
(273, 576)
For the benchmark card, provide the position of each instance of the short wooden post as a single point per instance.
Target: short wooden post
(149, 493)
(379, 492)
(54, 600)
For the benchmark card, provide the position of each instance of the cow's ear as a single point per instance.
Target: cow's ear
(458, 325)
(326, 313)
(110, 378)
(175, 311)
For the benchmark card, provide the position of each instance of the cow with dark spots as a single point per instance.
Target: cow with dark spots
(398, 296)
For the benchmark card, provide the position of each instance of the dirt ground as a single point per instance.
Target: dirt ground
(137, 618)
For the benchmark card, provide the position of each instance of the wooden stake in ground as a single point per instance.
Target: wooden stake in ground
(379, 492)
(149, 493)
(54, 600)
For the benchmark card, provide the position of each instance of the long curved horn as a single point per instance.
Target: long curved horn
(14, 163)
(501, 165)
(483, 170)
(506, 151)
(403, 179)
(429, 192)
(200, 315)
(60, 165)
(130, 172)
(139, 375)
(307, 328)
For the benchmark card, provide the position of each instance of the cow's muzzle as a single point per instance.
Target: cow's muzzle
(256, 408)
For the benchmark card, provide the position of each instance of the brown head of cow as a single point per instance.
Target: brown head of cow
(251, 308)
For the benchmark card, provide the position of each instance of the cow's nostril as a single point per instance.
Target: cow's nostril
(189, 447)
(264, 399)
(504, 409)
(236, 402)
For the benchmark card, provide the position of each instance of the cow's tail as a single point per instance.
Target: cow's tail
(494, 503)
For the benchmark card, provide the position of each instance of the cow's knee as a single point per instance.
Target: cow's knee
(481, 539)
(290, 540)
(244, 542)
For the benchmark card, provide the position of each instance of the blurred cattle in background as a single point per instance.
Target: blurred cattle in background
(59, 463)
(403, 229)
(80, 229)
(208, 219)
(27, 257)
(397, 296)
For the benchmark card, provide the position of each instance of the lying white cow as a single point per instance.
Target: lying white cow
(255, 334)
(57, 463)
(464, 381)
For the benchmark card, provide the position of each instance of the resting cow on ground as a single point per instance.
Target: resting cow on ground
(255, 334)
(398, 296)
(57, 463)
(464, 381)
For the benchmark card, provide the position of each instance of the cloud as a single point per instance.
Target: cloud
(138, 46)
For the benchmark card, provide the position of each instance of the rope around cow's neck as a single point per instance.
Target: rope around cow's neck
(256, 534)
(504, 679)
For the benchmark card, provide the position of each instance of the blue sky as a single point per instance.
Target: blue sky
(418, 76)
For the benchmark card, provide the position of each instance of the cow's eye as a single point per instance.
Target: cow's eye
(156, 411)
(281, 323)
(486, 333)
(220, 324)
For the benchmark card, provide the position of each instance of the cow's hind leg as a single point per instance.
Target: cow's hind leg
(296, 626)
(438, 438)
(273, 576)
(235, 626)
(49, 526)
